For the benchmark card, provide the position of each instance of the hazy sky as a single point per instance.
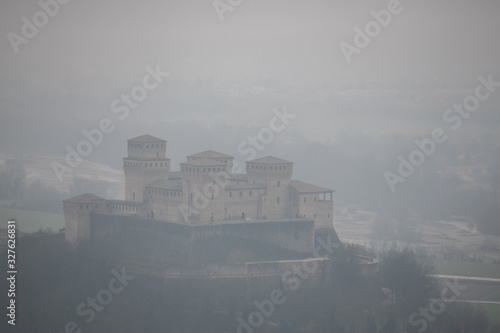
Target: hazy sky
(65, 78)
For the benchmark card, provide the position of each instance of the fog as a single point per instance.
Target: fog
(215, 74)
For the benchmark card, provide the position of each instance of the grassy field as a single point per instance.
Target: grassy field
(447, 267)
(31, 221)
(493, 298)
(493, 312)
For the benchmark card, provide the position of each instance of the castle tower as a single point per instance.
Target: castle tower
(204, 177)
(144, 164)
(77, 213)
(276, 174)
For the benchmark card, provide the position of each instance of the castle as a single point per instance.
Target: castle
(205, 191)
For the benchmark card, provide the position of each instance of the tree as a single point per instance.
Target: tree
(12, 176)
(409, 277)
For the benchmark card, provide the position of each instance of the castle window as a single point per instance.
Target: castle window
(315, 199)
(87, 207)
(277, 200)
(280, 167)
(151, 164)
(203, 169)
(197, 169)
(156, 154)
(328, 214)
(146, 165)
(218, 169)
(161, 164)
(241, 194)
(278, 183)
(147, 146)
(212, 196)
(304, 199)
(250, 193)
(156, 164)
(230, 194)
(314, 215)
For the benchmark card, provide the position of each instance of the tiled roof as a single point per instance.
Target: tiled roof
(240, 177)
(84, 198)
(146, 138)
(270, 160)
(174, 175)
(210, 154)
(127, 203)
(204, 162)
(308, 188)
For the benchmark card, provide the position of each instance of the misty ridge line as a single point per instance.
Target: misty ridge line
(121, 106)
(428, 146)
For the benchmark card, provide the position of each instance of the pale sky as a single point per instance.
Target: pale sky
(65, 78)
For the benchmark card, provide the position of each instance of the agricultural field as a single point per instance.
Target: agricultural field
(31, 221)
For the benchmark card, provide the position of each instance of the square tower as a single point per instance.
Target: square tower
(144, 164)
(275, 173)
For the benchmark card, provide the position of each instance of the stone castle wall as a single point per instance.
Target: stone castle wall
(241, 241)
